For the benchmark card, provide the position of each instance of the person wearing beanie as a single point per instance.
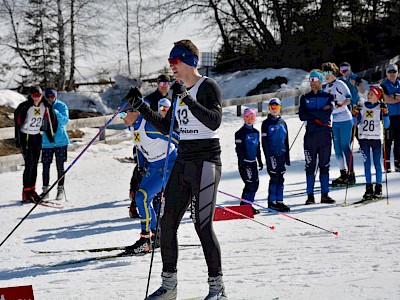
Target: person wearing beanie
(30, 118)
(368, 116)
(163, 86)
(56, 147)
(248, 151)
(342, 124)
(275, 144)
(198, 116)
(163, 106)
(316, 109)
(391, 90)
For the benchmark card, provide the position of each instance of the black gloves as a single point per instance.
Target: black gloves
(260, 165)
(134, 97)
(178, 89)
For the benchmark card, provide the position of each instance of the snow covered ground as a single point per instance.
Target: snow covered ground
(294, 261)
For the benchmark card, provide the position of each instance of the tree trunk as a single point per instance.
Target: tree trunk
(61, 47)
(72, 66)
(127, 37)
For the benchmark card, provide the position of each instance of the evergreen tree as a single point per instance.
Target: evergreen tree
(41, 44)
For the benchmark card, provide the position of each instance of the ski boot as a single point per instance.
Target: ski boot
(341, 180)
(310, 200)
(45, 188)
(29, 195)
(141, 247)
(326, 199)
(369, 191)
(278, 206)
(352, 178)
(60, 193)
(168, 289)
(378, 191)
(217, 289)
(282, 207)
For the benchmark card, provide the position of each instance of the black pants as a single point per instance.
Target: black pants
(47, 159)
(392, 135)
(196, 183)
(31, 146)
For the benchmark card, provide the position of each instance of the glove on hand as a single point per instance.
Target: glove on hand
(177, 89)
(260, 166)
(318, 122)
(384, 109)
(134, 97)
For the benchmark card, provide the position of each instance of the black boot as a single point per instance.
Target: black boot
(310, 200)
(387, 166)
(369, 191)
(326, 199)
(141, 247)
(156, 239)
(352, 178)
(378, 191)
(342, 179)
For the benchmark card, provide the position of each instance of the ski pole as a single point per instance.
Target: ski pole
(279, 213)
(296, 136)
(65, 172)
(244, 216)
(164, 182)
(350, 166)
(384, 159)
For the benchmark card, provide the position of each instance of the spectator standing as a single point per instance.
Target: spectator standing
(31, 117)
(316, 109)
(368, 117)
(275, 143)
(247, 140)
(342, 123)
(391, 89)
(58, 146)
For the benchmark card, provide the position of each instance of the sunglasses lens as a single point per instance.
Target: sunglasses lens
(163, 108)
(50, 96)
(392, 71)
(173, 61)
(163, 83)
(274, 105)
(314, 79)
(36, 95)
(328, 73)
(250, 117)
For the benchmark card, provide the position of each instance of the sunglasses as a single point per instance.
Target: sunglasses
(50, 96)
(327, 73)
(392, 71)
(163, 84)
(274, 106)
(36, 95)
(174, 61)
(344, 70)
(249, 117)
(314, 79)
(163, 108)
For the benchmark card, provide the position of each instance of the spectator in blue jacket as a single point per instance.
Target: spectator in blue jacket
(247, 140)
(275, 143)
(353, 82)
(391, 90)
(60, 144)
(316, 109)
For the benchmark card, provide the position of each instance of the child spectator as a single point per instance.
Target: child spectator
(368, 116)
(247, 140)
(275, 143)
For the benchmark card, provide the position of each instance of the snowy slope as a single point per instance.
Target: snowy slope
(295, 261)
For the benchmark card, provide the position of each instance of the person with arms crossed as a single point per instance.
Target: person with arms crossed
(316, 109)
(196, 174)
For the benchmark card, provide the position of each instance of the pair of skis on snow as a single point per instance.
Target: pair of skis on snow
(47, 203)
(98, 258)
